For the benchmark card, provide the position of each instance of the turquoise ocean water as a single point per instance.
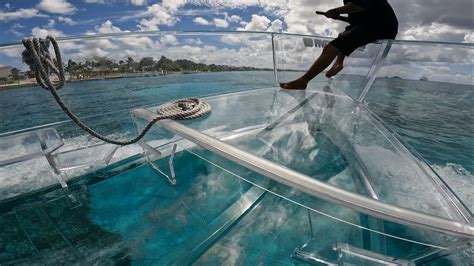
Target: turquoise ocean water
(435, 118)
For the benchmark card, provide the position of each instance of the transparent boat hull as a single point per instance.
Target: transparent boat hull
(270, 176)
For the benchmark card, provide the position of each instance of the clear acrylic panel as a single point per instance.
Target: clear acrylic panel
(108, 75)
(322, 135)
(294, 54)
(423, 93)
(28, 145)
(117, 72)
(135, 216)
(32, 159)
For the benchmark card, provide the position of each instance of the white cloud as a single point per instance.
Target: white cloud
(14, 53)
(140, 43)
(300, 18)
(241, 4)
(149, 24)
(276, 26)
(42, 33)
(220, 23)
(51, 23)
(195, 42)
(106, 27)
(67, 20)
(22, 13)
(173, 5)
(258, 23)
(169, 40)
(115, 48)
(102, 44)
(164, 13)
(297, 15)
(94, 52)
(138, 2)
(210, 54)
(436, 32)
(469, 37)
(234, 18)
(57, 6)
(233, 39)
(201, 21)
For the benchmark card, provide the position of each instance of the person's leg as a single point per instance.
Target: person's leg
(327, 56)
(337, 66)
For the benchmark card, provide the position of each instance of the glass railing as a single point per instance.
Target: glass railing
(419, 90)
(422, 93)
(129, 64)
(294, 54)
(358, 133)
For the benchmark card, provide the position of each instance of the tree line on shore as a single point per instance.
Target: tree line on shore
(103, 66)
(98, 67)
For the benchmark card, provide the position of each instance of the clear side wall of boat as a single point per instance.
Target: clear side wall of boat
(373, 166)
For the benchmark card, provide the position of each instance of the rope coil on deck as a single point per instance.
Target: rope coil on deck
(37, 56)
(184, 109)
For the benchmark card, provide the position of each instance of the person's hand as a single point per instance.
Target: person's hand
(331, 13)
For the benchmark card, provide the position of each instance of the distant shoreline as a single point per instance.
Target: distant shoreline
(32, 82)
(21, 84)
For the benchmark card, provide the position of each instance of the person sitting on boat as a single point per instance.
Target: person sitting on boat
(369, 20)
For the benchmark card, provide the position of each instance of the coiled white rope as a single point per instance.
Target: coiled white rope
(38, 58)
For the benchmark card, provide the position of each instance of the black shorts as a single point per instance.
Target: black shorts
(359, 35)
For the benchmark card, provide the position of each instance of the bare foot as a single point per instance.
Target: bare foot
(297, 84)
(336, 68)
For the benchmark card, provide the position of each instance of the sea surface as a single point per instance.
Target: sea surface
(34, 106)
(435, 118)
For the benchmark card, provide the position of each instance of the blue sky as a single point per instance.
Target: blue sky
(419, 19)
(60, 17)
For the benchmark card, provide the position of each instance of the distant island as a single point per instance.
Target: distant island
(106, 68)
